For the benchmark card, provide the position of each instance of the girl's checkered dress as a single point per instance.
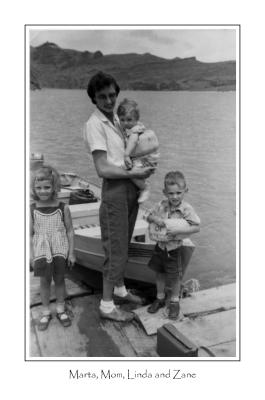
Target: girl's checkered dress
(50, 242)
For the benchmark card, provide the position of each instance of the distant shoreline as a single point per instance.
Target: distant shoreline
(54, 67)
(220, 89)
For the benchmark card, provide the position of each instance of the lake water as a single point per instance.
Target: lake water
(197, 134)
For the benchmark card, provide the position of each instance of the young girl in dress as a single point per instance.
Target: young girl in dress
(52, 241)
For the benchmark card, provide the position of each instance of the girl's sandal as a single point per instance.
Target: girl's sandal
(64, 319)
(44, 322)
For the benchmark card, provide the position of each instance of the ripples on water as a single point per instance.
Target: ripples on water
(197, 134)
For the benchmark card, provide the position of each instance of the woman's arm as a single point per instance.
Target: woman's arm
(110, 171)
(70, 234)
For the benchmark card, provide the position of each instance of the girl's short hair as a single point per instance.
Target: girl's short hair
(175, 178)
(100, 81)
(128, 106)
(46, 173)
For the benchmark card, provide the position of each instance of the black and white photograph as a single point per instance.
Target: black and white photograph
(132, 154)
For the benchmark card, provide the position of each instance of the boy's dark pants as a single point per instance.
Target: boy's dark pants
(117, 215)
(172, 263)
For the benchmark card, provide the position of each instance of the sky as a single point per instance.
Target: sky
(206, 44)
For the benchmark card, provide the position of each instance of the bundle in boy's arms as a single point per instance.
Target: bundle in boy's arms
(160, 233)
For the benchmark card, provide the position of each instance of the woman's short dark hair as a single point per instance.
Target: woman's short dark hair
(100, 81)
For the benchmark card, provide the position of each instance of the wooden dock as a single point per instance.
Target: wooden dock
(209, 318)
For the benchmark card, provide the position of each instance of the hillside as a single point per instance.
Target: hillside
(54, 67)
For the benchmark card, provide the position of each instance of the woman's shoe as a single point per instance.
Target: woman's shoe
(156, 305)
(129, 298)
(64, 319)
(117, 315)
(44, 322)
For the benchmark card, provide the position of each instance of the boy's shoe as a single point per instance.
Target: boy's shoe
(156, 305)
(144, 195)
(173, 310)
(44, 322)
(129, 298)
(64, 319)
(117, 315)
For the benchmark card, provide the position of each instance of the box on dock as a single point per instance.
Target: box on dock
(172, 343)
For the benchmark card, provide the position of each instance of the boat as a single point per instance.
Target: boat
(77, 190)
(88, 248)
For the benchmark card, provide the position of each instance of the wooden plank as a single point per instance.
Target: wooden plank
(204, 301)
(215, 331)
(222, 297)
(227, 349)
(57, 341)
(143, 345)
(210, 329)
(90, 336)
(34, 349)
(116, 332)
(84, 338)
(72, 289)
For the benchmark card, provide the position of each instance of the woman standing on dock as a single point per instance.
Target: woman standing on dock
(119, 205)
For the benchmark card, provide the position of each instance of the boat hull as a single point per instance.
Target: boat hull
(88, 248)
(90, 254)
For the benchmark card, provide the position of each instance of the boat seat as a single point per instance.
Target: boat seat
(65, 193)
(84, 210)
(91, 231)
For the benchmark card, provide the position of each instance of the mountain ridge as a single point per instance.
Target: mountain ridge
(54, 67)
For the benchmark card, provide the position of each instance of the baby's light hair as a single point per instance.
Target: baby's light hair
(46, 173)
(128, 106)
(175, 178)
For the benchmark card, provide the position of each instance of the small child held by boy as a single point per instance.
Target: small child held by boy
(141, 144)
(52, 242)
(170, 221)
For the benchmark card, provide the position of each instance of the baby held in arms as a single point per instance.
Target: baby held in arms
(141, 144)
